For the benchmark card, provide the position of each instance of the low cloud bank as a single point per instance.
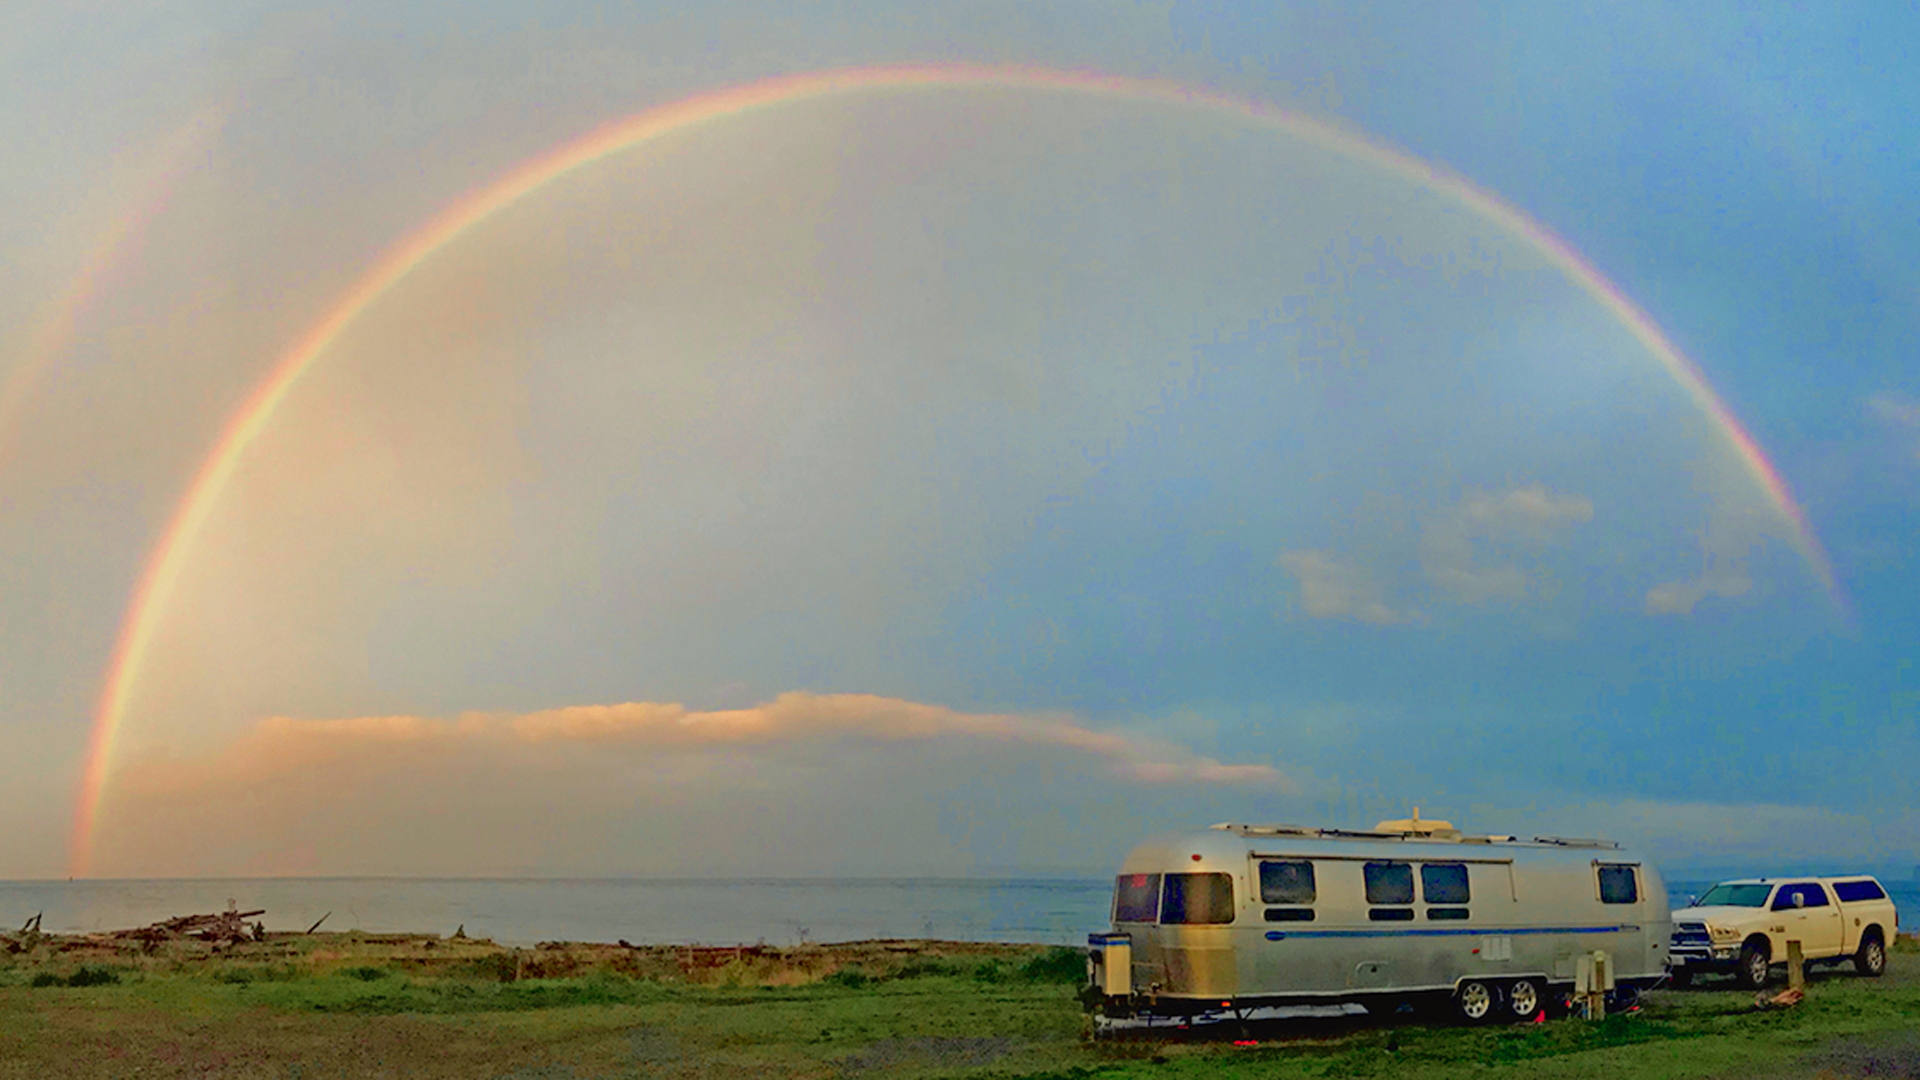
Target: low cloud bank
(794, 785)
(281, 743)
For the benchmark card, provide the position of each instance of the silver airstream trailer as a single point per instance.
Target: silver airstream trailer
(1242, 917)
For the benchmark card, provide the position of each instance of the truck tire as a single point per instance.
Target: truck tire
(1871, 960)
(1754, 965)
(1475, 1001)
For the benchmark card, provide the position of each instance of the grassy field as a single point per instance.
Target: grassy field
(329, 1005)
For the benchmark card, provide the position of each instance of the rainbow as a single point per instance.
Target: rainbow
(164, 167)
(164, 564)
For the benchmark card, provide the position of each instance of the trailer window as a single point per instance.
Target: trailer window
(1618, 884)
(1197, 898)
(1288, 882)
(1443, 883)
(1442, 913)
(1136, 898)
(1289, 914)
(1811, 895)
(1389, 883)
(1852, 892)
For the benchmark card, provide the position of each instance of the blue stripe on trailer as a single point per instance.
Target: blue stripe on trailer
(1461, 931)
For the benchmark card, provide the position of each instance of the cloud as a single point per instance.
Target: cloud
(1725, 581)
(1706, 838)
(797, 716)
(1332, 589)
(1731, 534)
(1456, 548)
(805, 783)
(1900, 414)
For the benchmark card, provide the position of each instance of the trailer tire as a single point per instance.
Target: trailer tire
(1475, 1001)
(1871, 960)
(1755, 964)
(1525, 999)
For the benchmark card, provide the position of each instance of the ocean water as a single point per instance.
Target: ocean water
(642, 911)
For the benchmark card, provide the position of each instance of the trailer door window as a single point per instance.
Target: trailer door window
(1619, 884)
(1136, 898)
(1197, 898)
(1389, 883)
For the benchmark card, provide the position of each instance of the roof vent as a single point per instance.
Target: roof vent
(1442, 830)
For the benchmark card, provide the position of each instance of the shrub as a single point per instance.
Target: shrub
(86, 976)
(990, 971)
(849, 977)
(1060, 964)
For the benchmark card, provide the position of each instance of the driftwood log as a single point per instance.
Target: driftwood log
(223, 928)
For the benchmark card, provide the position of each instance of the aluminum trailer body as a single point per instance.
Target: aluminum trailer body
(1240, 917)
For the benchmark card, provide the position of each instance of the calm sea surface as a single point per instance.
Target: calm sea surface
(523, 912)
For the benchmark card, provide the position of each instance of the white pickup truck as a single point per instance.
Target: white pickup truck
(1742, 927)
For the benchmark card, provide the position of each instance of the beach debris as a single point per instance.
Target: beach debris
(220, 929)
(460, 933)
(26, 939)
(1785, 999)
(318, 921)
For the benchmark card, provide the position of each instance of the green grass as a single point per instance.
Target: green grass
(343, 1009)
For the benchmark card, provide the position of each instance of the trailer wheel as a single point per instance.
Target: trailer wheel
(1474, 1001)
(1754, 965)
(1524, 999)
(1871, 960)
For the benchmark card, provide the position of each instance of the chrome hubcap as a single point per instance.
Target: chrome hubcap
(1475, 1000)
(1525, 1000)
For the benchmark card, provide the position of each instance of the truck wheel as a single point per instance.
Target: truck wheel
(1524, 1000)
(1680, 978)
(1754, 964)
(1474, 1001)
(1871, 960)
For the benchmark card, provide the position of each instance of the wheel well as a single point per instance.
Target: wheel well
(1759, 941)
(1873, 931)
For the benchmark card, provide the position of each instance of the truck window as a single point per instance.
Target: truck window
(1136, 898)
(1190, 899)
(1853, 892)
(1736, 896)
(1810, 893)
(1389, 883)
(1443, 883)
(1289, 882)
(1619, 884)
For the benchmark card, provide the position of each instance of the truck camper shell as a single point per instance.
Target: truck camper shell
(1240, 917)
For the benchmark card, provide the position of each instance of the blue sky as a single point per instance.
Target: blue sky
(1133, 441)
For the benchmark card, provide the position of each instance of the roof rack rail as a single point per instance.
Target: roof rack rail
(1575, 841)
(1267, 830)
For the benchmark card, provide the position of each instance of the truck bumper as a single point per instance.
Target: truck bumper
(1702, 958)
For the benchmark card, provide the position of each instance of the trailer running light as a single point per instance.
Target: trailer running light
(1196, 856)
